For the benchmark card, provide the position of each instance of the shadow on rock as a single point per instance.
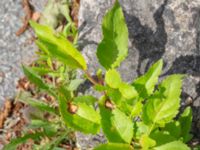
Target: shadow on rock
(150, 44)
(189, 64)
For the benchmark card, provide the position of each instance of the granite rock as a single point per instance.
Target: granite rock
(164, 29)
(14, 50)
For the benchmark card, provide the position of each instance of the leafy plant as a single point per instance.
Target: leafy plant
(137, 115)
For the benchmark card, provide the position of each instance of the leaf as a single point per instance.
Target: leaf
(146, 142)
(114, 146)
(140, 129)
(88, 99)
(52, 145)
(54, 11)
(58, 46)
(116, 125)
(163, 106)
(48, 128)
(65, 93)
(145, 84)
(123, 124)
(42, 47)
(74, 84)
(175, 145)
(15, 142)
(36, 103)
(174, 129)
(162, 138)
(127, 91)
(114, 47)
(117, 99)
(137, 109)
(113, 78)
(34, 78)
(36, 123)
(115, 96)
(100, 88)
(85, 119)
(186, 123)
(41, 70)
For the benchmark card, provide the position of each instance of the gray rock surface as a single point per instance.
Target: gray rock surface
(167, 29)
(13, 50)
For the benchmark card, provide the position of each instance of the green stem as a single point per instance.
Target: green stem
(90, 78)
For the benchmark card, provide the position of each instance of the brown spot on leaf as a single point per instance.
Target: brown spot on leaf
(72, 108)
(109, 104)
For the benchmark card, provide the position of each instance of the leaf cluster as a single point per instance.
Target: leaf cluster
(136, 115)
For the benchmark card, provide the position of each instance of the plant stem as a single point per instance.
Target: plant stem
(90, 78)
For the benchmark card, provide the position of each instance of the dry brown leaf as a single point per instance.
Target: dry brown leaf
(5, 112)
(28, 11)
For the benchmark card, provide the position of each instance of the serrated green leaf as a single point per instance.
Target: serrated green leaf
(114, 47)
(34, 78)
(146, 142)
(137, 109)
(163, 106)
(116, 125)
(173, 128)
(58, 46)
(113, 78)
(162, 138)
(114, 146)
(139, 129)
(88, 99)
(145, 84)
(175, 145)
(186, 123)
(85, 119)
(127, 91)
(123, 124)
(74, 84)
(115, 96)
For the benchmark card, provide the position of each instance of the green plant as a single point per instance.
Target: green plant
(45, 126)
(137, 115)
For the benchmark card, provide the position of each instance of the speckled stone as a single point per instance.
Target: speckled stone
(13, 50)
(167, 29)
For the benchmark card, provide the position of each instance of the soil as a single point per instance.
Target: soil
(14, 117)
(12, 121)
